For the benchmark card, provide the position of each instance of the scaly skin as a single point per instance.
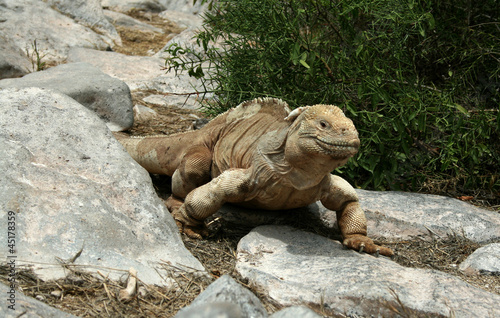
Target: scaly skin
(260, 155)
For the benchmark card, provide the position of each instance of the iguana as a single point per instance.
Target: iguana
(262, 155)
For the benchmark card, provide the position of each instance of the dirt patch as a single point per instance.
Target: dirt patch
(146, 43)
(168, 119)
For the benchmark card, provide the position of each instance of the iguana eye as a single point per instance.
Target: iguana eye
(324, 124)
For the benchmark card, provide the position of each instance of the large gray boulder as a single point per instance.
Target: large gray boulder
(24, 21)
(295, 267)
(72, 186)
(107, 96)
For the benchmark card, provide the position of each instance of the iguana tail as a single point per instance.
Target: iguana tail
(157, 154)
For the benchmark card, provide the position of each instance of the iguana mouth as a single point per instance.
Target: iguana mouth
(339, 147)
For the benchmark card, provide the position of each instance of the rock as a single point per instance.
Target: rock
(123, 20)
(156, 99)
(484, 260)
(154, 5)
(391, 215)
(182, 19)
(400, 215)
(136, 71)
(295, 311)
(211, 310)
(71, 186)
(54, 32)
(227, 290)
(26, 306)
(109, 97)
(143, 113)
(294, 267)
(13, 61)
(147, 73)
(125, 6)
(185, 6)
(185, 39)
(88, 13)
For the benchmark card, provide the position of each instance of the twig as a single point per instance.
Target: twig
(129, 292)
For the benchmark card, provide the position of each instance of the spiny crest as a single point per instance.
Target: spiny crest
(273, 106)
(315, 111)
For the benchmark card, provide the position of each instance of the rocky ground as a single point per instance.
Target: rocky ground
(96, 214)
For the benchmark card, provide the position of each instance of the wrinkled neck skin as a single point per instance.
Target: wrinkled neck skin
(283, 156)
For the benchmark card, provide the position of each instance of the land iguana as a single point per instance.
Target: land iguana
(261, 155)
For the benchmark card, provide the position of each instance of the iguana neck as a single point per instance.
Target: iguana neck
(271, 154)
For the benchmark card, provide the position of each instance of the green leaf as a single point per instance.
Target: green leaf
(359, 49)
(304, 63)
(461, 109)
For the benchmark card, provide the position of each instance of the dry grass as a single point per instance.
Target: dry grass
(142, 43)
(86, 295)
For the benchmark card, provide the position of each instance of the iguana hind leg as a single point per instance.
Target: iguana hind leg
(231, 186)
(192, 172)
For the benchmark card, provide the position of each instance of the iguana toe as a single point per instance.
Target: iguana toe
(192, 228)
(365, 244)
(195, 232)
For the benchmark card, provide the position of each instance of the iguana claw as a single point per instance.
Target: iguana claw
(365, 244)
(192, 228)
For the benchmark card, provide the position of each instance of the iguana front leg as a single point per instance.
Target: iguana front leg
(231, 186)
(340, 196)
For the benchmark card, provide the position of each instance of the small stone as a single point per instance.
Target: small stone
(40, 298)
(56, 293)
(485, 260)
(227, 290)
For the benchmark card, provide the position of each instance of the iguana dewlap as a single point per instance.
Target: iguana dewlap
(260, 155)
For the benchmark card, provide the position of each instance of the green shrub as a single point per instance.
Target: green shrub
(420, 79)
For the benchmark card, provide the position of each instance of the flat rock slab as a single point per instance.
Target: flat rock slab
(390, 215)
(295, 267)
(71, 185)
(401, 215)
(146, 73)
(23, 306)
(107, 96)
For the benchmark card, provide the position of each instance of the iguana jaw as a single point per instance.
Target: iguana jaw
(338, 148)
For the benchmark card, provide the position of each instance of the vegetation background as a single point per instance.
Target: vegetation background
(420, 79)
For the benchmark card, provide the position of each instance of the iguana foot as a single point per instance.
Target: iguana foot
(192, 228)
(363, 243)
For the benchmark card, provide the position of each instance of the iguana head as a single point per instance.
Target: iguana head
(321, 134)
